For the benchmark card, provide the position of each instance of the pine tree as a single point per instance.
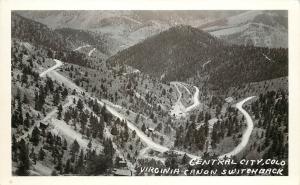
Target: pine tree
(143, 127)
(108, 150)
(133, 134)
(75, 147)
(40, 98)
(49, 139)
(49, 84)
(64, 93)
(104, 114)
(23, 165)
(27, 120)
(24, 79)
(89, 144)
(137, 118)
(162, 140)
(128, 156)
(41, 154)
(14, 148)
(25, 99)
(80, 105)
(114, 130)
(56, 97)
(79, 164)
(158, 127)
(33, 155)
(67, 167)
(65, 144)
(67, 117)
(88, 133)
(60, 109)
(35, 136)
(59, 167)
(125, 133)
(184, 159)
(14, 119)
(20, 113)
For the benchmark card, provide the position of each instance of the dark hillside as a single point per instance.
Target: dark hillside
(181, 53)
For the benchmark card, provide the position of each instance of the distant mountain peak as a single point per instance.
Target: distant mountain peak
(186, 33)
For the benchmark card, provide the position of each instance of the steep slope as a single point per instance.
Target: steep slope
(183, 52)
(60, 43)
(46, 109)
(79, 37)
(118, 27)
(170, 53)
(34, 32)
(258, 28)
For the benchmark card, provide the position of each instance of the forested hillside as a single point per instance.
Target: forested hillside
(183, 52)
(59, 43)
(80, 37)
(55, 129)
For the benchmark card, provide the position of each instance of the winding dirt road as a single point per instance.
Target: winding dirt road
(92, 51)
(81, 47)
(246, 134)
(151, 144)
(178, 109)
(57, 65)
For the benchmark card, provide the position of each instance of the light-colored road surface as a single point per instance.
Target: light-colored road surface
(58, 64)
(267, 57)
(92, 51)
(195, 99)
(203, 65)
(178, 109)
(184, 86)
(246, 134)
(139, 133)
(81, 47)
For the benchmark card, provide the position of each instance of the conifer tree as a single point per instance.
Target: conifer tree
(67, 167)
(75, 147)
(56, 98)
(24, 163)
(143, 127)
(41, 154)
(14, 148)
(35, 136)
(60, 109)
(80, 105)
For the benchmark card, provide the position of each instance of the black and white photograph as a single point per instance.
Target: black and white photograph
(149, 93)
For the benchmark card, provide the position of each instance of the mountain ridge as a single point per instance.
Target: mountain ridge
(257, 28)
(166, 49)
(181, 52)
